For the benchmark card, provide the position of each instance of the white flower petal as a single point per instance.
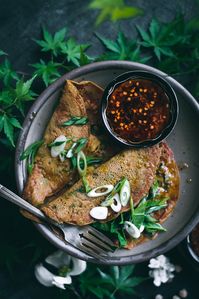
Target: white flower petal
(163, 276)
(58, 259)
(79, 267)
(154, 263)
(62, 280)
(58, 285)
(44, 276)
(157, 282)
(162, 260)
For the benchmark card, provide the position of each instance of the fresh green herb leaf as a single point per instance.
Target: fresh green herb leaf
(7, 74)
(47, 71)
(72, 51)
(114, 10)
(76, 120)
(30, 153)
(121, 49)
(7, 124)
(154, 227)
(84, 58)
(52, 43)
(8, 129)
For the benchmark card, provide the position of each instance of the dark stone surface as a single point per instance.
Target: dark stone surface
(20, 21)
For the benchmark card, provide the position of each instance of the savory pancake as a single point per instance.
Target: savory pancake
(137, 165)
(49, 174)
(171, 190)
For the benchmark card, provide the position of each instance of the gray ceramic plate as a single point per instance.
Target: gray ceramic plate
(183, 140)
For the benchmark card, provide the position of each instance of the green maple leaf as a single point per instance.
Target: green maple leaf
(114, 10)
(162, 38)
(52, 43)
(7, 124)
(72, 50)
(84, 58)
(47, 71)
(121, 279)
(7, 74)
(23, 93)
(121, 49)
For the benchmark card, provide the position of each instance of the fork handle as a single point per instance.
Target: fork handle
(14, 198)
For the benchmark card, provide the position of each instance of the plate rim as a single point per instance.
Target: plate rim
(78, 72)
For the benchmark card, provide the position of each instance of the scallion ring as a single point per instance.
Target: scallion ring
(70, 151)
(96, 191)
(81, 169)
(125, 193)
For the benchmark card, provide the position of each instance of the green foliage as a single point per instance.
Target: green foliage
(122, 48)
(52, 43)
(72, 51)
(13, 98)
(6, 72)
(47, 71)
(109, 284)
(114, 10)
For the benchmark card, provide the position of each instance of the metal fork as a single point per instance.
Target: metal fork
(86, 239)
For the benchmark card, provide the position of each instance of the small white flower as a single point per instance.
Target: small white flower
(59, 259)
(161, 270)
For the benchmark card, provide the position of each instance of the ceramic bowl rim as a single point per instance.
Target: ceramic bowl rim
(174, 106)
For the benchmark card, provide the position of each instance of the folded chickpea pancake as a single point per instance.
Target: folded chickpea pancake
(150, 175)
(51, 171)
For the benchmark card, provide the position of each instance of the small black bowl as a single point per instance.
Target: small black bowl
(173, 102)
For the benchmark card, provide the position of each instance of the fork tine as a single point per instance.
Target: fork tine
(91, 252)
(93, 246)
(100, 236)
(97, 241)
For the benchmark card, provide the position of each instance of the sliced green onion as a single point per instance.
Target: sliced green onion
(125, 193)
(30, 153)
(76, 120)
(86, 185)
(109, 199)
(76, 147)
(62, 155)
(94, 193)
(116, 205)
(56, 143)
(99, 213)
(81, 158)
(90, 160)
(80, 143)
(70, 152)
(131, 229)
(93, 160)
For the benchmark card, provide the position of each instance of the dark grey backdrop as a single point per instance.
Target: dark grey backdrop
(21, 20)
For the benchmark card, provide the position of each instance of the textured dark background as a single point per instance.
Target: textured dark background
(20, 21)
